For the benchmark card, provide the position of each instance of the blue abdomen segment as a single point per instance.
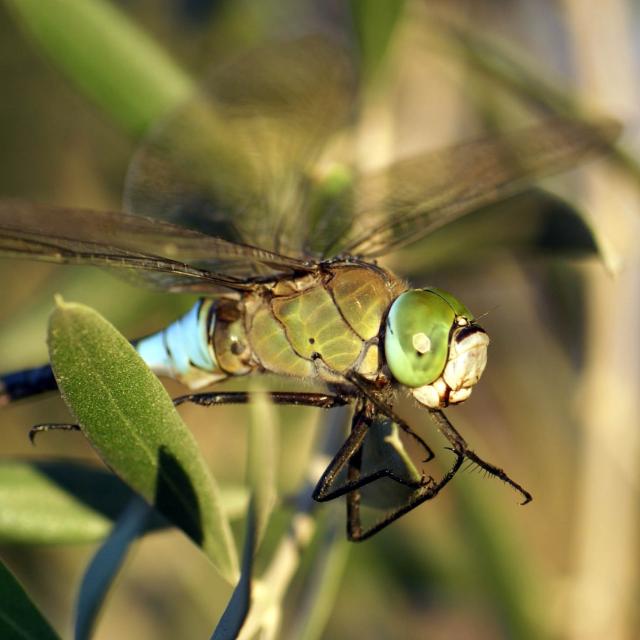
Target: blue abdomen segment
(184, 349)
(23, 384)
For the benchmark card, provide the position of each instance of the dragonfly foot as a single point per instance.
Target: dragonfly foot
(427, 481)
(527, 497)
(41, 428)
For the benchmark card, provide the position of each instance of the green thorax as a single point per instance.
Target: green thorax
(323, 324)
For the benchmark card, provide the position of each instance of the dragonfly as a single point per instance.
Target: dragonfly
(232, 199)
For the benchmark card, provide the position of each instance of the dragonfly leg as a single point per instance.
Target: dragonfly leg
(351, 450)
(461, 450)
(409, 431)
(364, 386)
(41, 428)
(320, 400)
(427, 491)
(460, 447)
(354, 526)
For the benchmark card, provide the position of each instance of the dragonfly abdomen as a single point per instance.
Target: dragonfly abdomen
(206, 345)
(25, 383)
(183, 350)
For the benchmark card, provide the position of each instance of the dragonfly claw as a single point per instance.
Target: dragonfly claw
(427, 481)
(40, 428)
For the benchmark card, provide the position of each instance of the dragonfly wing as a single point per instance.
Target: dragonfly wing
(420, 194)
(238, 161)
(161, 254)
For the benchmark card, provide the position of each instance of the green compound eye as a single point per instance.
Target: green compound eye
(416, 342)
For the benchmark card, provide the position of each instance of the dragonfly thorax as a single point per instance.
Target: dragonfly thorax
(321, 326)
(433, 346)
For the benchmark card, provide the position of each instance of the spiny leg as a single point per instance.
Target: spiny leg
(320, 400)
(364, 386)
(460, 446)
(410, 432)
(352, 444)
(430, 488)
(427, 491)
(360, 424)
(54, 426)
(354, 526)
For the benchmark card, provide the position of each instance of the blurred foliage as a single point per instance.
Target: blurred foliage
(132, 79)
(56, 502)
(471, 564)
(20, 618)
(374, 25)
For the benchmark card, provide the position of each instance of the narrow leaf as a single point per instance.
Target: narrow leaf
(329, 563)
(106, 563)
(261, 462)
(131, 422)
(261, 459)
(112, 61)
(20, 619)
(236, 612)
(374, 23)
(52, 502)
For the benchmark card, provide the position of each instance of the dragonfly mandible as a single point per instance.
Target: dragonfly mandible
(286, 266)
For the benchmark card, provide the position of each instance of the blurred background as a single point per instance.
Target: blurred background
(558, 406)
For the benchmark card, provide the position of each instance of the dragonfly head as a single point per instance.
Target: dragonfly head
(433, 346)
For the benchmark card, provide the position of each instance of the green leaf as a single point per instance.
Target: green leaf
(57, 503)
(113, 62)
(54, 502)
(261, 464)
(325, 575)
(20, 619)
(106, 563)
(237, 609)
(374, 24)
(261, 459)
(129, 419)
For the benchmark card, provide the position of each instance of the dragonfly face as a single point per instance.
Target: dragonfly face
(433, 346)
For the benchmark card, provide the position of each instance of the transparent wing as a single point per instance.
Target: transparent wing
(237, 162)
(416, 196)
(243, 162)
(161, 254)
